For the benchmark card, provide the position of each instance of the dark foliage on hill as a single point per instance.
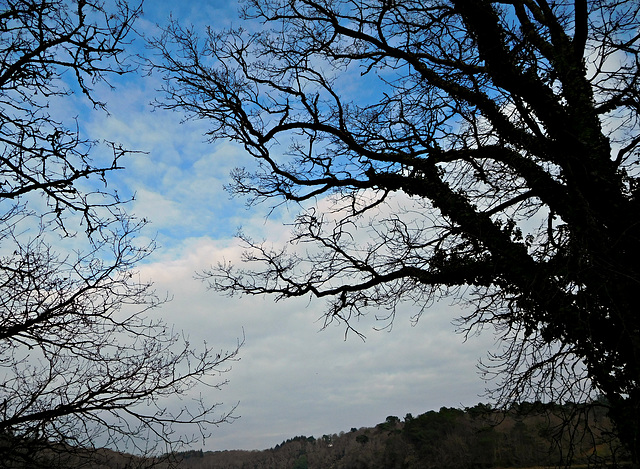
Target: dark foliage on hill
(475, 438)
(528, 435)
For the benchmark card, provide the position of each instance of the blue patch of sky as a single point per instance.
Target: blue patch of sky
(177, 176)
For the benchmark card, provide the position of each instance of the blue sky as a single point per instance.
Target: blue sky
(292, 378)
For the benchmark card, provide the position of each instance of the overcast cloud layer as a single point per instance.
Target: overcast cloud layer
(292, 378)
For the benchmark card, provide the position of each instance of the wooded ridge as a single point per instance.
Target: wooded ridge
(528, 435)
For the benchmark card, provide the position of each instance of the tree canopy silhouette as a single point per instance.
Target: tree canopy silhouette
(80, 363)
(482, 149)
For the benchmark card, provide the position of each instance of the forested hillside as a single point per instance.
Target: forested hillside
(526, 436)
(478, 437)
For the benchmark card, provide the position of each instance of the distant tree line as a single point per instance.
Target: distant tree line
(528, 434)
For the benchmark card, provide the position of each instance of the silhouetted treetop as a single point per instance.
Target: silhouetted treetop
(486, 150)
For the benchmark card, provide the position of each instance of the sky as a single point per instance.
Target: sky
(292, 378)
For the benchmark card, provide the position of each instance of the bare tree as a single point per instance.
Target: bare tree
(486, 150)
(81, 363)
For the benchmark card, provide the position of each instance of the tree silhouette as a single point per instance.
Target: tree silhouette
(485, 150)
(80, 364)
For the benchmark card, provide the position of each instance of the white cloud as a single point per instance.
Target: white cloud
(294, 379)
